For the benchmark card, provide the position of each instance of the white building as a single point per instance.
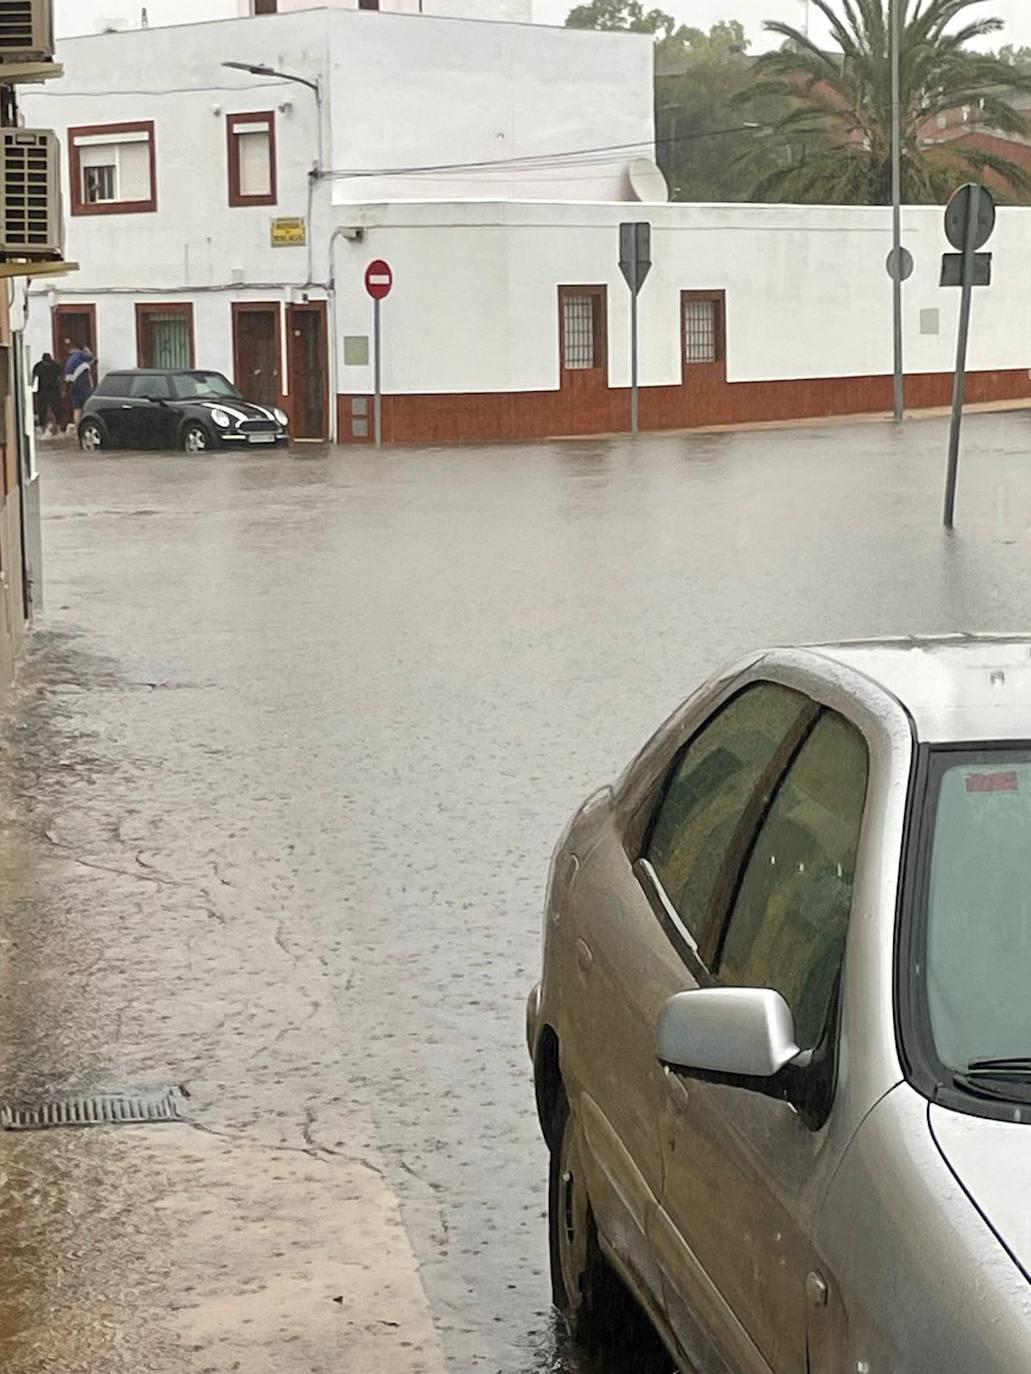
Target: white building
(487, 162)
(202, 234)
(77, 17)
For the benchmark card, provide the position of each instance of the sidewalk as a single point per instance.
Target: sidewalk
(260, 1235)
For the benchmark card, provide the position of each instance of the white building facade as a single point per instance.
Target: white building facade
(205, 202)
(226, 220)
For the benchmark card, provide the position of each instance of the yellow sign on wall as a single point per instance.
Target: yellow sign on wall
(289, 233)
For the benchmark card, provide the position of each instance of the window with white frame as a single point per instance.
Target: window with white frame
(112, 169)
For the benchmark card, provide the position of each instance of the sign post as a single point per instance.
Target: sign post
(969, 222)
(379, 280)
(635, 262)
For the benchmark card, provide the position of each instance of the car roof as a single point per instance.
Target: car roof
(955, 687)
(155, 371)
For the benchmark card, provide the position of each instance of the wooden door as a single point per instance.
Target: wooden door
(256, 352)
(74, 326)
(308, 368)
(583, 351)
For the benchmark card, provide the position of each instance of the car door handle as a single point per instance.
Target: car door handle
(677, 1095)
(584, 957)
(127, 407)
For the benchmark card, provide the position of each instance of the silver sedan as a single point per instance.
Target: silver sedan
(782, 1041)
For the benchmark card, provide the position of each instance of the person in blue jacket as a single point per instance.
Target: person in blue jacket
(78, 375)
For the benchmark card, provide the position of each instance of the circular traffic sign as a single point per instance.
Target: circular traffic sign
(379, 278)
(900, 264)
(957, 212)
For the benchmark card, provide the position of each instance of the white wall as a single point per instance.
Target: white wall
(484, 93)
(474, 307)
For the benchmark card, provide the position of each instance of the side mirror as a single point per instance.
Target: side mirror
(741, 1032)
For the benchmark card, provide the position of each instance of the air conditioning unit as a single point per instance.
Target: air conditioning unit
(31, 222)
(26, 30)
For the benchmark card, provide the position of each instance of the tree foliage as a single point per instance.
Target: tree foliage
(834, 138)
(705, 101)
(629, 15)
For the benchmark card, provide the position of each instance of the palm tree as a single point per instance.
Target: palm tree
(835, 140)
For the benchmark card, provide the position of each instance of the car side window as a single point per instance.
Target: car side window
(114, 384)
(713, 799)
(144, 386)
(789, 922)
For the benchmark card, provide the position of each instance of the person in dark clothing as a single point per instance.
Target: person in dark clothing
(46, 383)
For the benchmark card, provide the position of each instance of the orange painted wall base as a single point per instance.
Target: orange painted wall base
(492, 416)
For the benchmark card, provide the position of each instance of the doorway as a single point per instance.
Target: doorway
(257, 351)
(308, 366)
(583, 352)
(74, 326)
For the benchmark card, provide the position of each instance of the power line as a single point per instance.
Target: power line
(531, 161)
(170, 90)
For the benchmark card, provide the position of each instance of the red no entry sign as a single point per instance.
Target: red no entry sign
(379, 279)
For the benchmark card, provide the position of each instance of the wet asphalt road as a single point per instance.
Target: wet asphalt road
(291, 747)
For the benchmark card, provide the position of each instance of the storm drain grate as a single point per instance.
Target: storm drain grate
(105, 1109)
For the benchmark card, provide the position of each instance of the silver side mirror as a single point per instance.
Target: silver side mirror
(744, 1032)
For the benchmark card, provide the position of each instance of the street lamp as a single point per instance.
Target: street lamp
(261, 69)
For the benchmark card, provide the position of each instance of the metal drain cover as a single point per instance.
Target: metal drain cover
(97, 1109)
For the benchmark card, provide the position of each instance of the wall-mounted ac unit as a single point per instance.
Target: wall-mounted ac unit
(26, 30)
(31, 222)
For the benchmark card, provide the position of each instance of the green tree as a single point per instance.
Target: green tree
(709, 123)
(613, 15)
(835, 139)
(1016, 57)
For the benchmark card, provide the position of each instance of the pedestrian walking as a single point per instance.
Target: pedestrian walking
(46, 384)
(78, 373)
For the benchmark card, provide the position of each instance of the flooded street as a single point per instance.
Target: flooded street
(290, 749)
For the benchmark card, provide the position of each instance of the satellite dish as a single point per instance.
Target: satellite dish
(647, 183)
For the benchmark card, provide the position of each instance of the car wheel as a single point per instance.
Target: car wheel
(584, 1288)
(196, 439)
(91, 436)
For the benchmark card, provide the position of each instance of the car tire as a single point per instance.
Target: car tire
(91, 436)
(195, 438)
(584, 1288)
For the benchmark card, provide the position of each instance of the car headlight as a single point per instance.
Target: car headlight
(221, 419)
(282, 417)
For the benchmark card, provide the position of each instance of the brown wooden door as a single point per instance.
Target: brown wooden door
(583, 352)
(74, 326)
(308, 367)
(256, 353)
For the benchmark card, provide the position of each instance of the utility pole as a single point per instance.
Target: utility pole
(899, 390)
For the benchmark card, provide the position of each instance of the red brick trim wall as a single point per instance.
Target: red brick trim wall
(493, 416)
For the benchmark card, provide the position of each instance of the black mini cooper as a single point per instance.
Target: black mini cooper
(188, 409)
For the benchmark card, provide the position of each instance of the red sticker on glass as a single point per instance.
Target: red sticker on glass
(992, 782)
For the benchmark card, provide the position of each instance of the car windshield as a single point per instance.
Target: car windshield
(204, 385)
(978, 952)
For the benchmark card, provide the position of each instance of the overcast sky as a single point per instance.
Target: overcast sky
(703, 13)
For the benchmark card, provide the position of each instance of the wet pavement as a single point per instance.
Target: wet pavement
(278, 787)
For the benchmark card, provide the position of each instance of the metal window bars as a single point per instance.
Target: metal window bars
(578, 332)
(700, 332)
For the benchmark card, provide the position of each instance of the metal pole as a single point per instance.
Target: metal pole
(960, 387)
(377, 405)
(899, 391)
(635, 398)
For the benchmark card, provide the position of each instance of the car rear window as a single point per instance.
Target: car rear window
(115, 384)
